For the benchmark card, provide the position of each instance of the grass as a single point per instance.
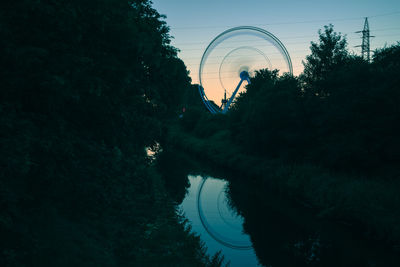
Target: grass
(370, 205)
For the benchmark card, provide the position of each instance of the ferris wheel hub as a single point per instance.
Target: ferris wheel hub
(265, 51)
(244, 75)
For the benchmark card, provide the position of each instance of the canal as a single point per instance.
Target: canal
(254, 226)
(208, 208)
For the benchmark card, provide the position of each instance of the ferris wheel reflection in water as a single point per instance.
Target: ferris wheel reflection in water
(208, 209)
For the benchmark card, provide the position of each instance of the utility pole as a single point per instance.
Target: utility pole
(224, 101)
(365, 50)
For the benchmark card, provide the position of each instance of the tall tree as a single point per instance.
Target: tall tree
(78, 105)
(325, 56)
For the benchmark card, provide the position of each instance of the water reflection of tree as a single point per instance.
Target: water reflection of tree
(278, 240)
(174, 168)
(286, 234)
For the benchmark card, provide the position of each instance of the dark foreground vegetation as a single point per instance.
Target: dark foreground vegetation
(328, 137)
(283, 232)
(85, 86)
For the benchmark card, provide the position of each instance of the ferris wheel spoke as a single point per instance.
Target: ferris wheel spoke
(243, 60)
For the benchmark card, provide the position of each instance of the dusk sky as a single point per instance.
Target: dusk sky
(296, 23)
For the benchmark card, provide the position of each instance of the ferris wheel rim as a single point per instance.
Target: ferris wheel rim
(222, 239)
(266, 35)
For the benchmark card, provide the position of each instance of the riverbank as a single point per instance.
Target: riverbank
(67, 200)
(368, 206)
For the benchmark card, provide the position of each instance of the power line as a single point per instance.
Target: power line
(222, 56)
(238, 41)
(286, 37)
(365, 45)
(265, 24)
(303, 42)
(385, 14)
(285, 23)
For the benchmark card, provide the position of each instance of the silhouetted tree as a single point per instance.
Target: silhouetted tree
(341, 113)
(328, 54)
(85, 87)
(388, 56)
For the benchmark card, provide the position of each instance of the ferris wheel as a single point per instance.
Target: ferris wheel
(232, 58)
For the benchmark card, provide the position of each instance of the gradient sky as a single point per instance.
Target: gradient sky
(194, 24)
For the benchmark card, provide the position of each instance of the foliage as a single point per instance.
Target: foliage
(387, 56)
(328, 137)
(264, 118)
(340, 113)
(326, 56)
(85, 88)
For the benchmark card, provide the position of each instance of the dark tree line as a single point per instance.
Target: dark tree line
(85, 87)
(327, 139)
(341, 112)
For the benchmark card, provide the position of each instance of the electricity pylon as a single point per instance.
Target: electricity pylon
(365, 50)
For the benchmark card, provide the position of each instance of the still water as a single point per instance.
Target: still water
(207, 207)
(264, 229)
